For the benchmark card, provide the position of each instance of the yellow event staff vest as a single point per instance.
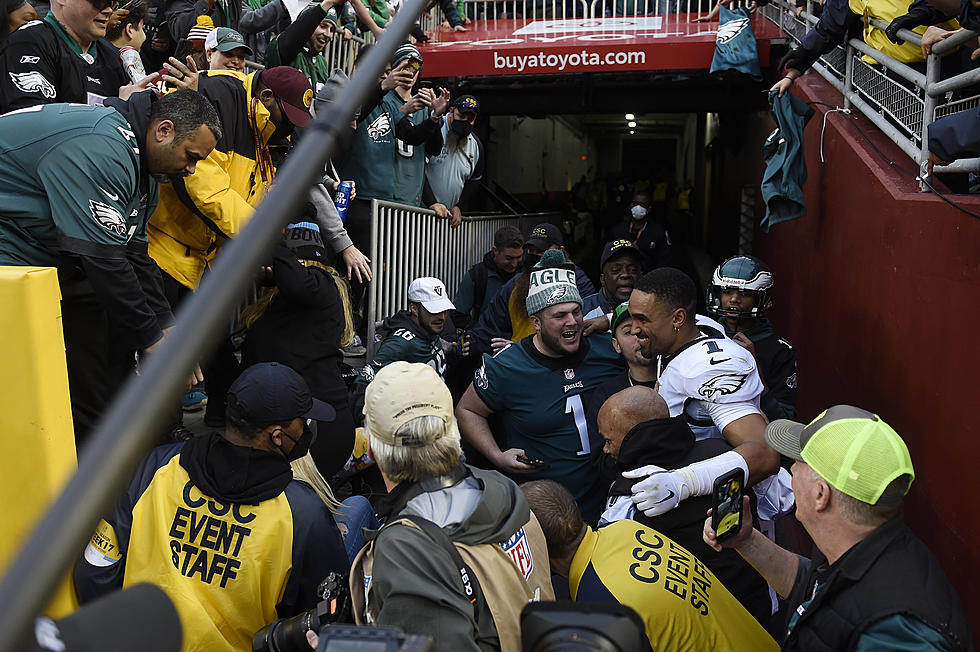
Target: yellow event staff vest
(224, 566)
(683, 605)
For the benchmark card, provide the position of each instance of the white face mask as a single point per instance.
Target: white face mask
(638, 212)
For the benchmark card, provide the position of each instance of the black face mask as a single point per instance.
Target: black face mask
(462, 128)
(302, 445)
(530, 260)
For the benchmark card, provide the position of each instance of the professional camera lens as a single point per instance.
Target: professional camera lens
(284, 635)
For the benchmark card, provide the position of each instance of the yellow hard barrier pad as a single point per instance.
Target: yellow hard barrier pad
(35, 411)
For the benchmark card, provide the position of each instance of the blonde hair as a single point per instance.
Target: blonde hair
(252, 313)
(413, 463)
(305, 469)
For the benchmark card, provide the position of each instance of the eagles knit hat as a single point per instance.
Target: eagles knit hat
(551, 284)
(406, 51)
(620, 314)
(403, 391)
(544, 235)
(270, 392)
(852, 449)
(199, 33)
(225, 39)
(305, 241)
(617, 248)
(431, 293)
(293, 90)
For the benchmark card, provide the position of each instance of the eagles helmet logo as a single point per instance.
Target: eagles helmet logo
(722, 385)
(107, 217)
(33, 82)
(380, 128)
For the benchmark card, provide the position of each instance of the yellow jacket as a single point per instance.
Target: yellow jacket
(889, 10)
(197, 213)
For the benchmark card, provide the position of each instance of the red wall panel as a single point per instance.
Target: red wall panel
(878, 288)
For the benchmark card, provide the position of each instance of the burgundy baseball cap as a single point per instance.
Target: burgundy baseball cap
(294, 91)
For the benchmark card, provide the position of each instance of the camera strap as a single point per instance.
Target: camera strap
(467, 578)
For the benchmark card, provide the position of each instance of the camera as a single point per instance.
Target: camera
(350, 638)
(289, 634)
(581, 627)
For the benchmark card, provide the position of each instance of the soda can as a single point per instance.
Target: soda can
(342, 200)
(132, 63)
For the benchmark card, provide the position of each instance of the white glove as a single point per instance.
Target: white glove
(660, 492)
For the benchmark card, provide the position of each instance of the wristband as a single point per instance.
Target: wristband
(791, 79)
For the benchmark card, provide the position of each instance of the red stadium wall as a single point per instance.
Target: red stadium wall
(878, 288)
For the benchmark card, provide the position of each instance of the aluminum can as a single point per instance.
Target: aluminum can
(342, 200)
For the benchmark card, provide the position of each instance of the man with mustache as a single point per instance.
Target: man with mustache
(78, 185)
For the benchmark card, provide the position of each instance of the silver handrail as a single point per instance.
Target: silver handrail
(900, 100)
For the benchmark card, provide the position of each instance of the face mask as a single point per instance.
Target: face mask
(301, 446)
(462, 128)
(638, 212)
(530, 260)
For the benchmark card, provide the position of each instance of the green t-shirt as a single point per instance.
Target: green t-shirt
(70, 183)
(541, 404)
(409, 159)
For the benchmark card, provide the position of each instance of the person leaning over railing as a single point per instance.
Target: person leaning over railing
(842, 19)
(301, 44)
(923, 13)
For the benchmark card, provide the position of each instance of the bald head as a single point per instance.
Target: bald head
(624, 410)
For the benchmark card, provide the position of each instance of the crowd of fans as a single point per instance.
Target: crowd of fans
(534, 427)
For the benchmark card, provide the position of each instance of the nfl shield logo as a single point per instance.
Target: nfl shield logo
(569, 374)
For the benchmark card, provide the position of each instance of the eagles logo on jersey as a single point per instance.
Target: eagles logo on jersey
(380, 128)
(722, 384)
(108, 217)
(33, 82)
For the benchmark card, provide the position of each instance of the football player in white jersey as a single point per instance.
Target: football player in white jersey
(706, 376)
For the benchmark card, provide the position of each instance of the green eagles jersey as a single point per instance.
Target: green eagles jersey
(70, 182)
(403, 344)
(409, 159)
(369, 159)
(541, 404)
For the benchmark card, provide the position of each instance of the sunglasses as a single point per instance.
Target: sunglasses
(102, 5)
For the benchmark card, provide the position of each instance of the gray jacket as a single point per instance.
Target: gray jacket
(415, 582)
(332, 229)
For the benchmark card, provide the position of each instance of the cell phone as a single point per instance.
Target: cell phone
(726, 504)
(425, 84)
(538, 464)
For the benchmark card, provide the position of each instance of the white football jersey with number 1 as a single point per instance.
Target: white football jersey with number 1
(710, 370)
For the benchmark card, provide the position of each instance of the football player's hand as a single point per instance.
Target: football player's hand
(743, 534)
(659, 492)
(595, 325)
(745, 343)
(507, 461)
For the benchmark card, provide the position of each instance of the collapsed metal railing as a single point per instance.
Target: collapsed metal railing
(408, 242)
(900, 100)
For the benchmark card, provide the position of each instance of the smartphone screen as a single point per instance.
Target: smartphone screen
(726, 504)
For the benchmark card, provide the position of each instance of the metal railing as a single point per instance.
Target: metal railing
(339, 53)
(900, 100)
(408, 242)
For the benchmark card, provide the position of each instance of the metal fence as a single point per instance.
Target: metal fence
(900, 100)
(670, 10)
(339, 53)
(408, 242)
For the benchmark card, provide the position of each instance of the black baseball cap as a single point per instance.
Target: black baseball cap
(617, 248)
(269, 392)
(544, 235)
(467, 104)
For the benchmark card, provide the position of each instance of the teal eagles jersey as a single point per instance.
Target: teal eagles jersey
(370, 157)
(541, 404)
(70, 182)
(403, 344)
(409, 159)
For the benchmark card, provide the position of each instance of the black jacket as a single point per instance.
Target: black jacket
(37, 66)
(890, 572)
(302, 327)
(669, 443)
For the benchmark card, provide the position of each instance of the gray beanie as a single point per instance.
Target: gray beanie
(551, 284)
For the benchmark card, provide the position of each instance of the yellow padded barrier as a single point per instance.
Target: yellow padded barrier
(35, 411)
